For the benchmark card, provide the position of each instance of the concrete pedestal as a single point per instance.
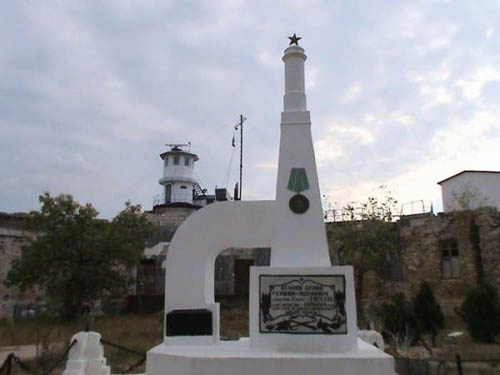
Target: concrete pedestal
(236, 357)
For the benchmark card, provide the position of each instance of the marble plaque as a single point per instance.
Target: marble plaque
(190, 322)
(302, 304)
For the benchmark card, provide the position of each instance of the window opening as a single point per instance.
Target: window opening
(176, 160)
(186, 161)
(450, 259)
(168, 193)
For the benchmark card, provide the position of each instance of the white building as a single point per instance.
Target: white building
(471, 190)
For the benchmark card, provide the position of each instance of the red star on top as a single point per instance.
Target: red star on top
(294, 39)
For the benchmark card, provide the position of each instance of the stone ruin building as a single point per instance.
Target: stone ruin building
(453, 250)
(13, 236)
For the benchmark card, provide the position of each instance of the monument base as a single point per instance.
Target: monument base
(236, 357)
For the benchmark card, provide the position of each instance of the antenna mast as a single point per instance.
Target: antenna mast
(240, 125)
(174, 145)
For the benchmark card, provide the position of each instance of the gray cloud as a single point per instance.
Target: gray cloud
(90, 92)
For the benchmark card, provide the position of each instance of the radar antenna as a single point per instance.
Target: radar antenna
(177, 146)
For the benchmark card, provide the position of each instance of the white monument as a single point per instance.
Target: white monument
(86, 357)
(302, 310)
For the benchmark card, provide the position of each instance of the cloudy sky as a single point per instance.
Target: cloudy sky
(401, 93)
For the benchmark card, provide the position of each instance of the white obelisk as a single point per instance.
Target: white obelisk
(300, 238)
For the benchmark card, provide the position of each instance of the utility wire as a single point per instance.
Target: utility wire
(233, 152)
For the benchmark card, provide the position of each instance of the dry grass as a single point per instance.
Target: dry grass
(134, 331)
(233, 318)
(32, 331)
(137, 332)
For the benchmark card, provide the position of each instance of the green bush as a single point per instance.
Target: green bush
(398, 317)
(481, 313)
(428, 315)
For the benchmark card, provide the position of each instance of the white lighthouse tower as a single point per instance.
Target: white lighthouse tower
(178, 179)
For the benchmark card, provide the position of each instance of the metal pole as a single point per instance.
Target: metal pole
(241, 154)
(459, 364)
(9, 363)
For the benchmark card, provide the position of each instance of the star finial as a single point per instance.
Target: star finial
(294, 39)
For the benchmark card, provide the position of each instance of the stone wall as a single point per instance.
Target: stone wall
(422, 255)
(477, 235)
(488, 222)
(12, 239)
(479, 255)
(172, 216)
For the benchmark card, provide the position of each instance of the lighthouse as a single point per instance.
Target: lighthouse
(178, 179)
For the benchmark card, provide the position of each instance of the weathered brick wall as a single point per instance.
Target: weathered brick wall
(12, 239)
(421, 254)
(169, 216)
(488, 221)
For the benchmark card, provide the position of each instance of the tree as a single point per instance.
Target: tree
(77, 259)
(481, 313)
(369, 240)
(428, 315)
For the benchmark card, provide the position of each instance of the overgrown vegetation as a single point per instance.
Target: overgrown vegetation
(406, 322)
(370, 240)
(428, 316)
(481, 313)
(398, 321)
(76, 259)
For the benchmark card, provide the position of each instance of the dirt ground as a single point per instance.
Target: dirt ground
(233, 318)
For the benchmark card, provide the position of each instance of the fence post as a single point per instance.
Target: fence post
(6, 366)
(9, 363)
(458, 359)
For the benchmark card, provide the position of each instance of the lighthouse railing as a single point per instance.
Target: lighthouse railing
(160, 198)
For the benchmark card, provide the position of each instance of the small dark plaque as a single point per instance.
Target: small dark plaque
(189, 323)
(302, 304)
(298, 204)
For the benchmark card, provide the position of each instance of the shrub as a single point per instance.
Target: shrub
(398, 318)
(481, 313)
(428, 315)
